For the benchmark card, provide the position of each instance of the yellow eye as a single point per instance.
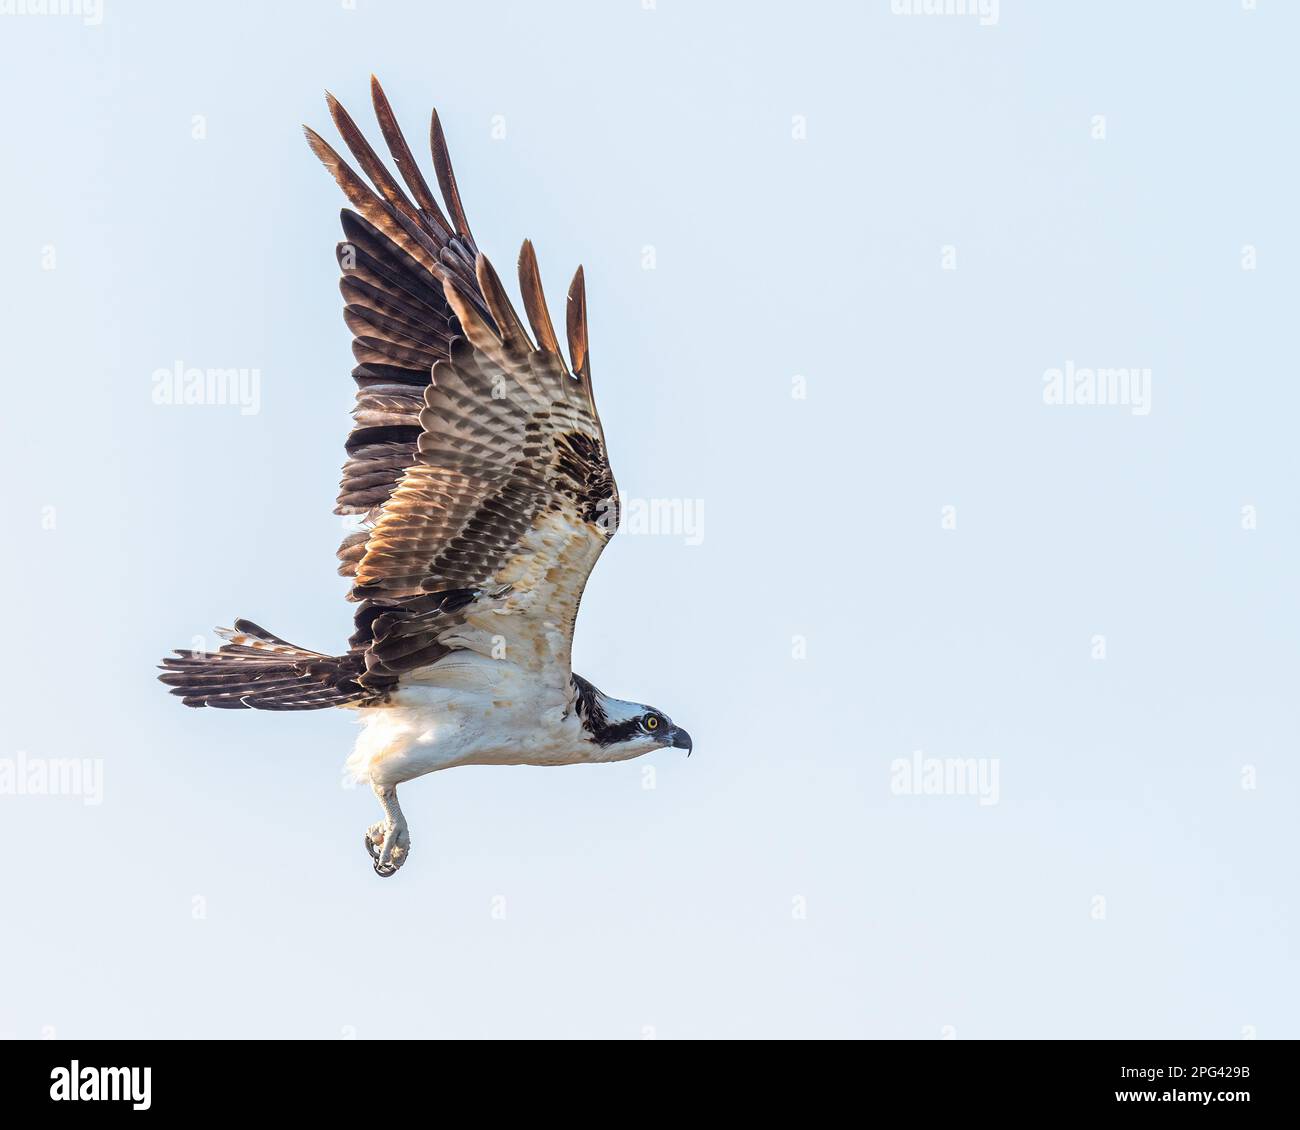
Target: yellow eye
(651, 722)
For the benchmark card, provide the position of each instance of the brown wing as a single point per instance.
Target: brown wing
(487, 543)
(396, 256)
(477, 459)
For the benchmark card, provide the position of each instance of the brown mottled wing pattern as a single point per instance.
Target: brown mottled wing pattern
(477, 460)
(397, 256)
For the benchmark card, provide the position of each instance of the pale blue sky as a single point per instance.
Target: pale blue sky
(775, 883)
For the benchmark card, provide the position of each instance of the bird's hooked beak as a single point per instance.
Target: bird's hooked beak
(682, 740)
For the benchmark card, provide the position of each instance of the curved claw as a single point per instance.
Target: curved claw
(388, 842)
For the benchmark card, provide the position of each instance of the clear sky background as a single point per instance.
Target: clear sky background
(798, 172)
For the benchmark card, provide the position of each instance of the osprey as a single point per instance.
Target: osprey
(477, 472)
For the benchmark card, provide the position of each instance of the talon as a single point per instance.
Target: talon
(388, 843)
(375, 836)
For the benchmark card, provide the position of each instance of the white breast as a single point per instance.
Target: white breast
(476, 712)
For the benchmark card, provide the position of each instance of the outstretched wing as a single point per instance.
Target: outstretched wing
(477, 461)
(396, 255)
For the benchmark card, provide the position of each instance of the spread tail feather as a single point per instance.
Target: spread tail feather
(257, 670)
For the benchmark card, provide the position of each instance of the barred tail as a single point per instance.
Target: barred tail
(258, 670)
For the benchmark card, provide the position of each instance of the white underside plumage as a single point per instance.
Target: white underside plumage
(473, 710)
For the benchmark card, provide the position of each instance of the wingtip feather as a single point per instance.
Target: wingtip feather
(530, 286)
(513, 335)
(576, 324)
(446, 175)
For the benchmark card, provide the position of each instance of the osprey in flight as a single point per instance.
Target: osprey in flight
(477, 470)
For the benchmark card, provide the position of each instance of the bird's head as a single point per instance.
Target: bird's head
(625, 729)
